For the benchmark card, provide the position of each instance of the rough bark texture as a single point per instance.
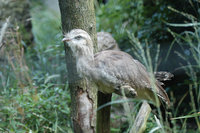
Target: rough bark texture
(79, 14)
(103, 115)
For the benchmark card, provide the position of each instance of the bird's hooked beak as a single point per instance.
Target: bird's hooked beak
(66, 39)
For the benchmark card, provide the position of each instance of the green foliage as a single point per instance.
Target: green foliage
(142, 18)
(188, 116)
(115, 14)
(118, 15)
(191, 56)
(33, 94)
(48, 53)
(144, 26)
(42, 109)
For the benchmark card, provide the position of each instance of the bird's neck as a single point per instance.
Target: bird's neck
(85, 64)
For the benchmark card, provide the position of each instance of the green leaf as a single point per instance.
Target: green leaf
(51, 77)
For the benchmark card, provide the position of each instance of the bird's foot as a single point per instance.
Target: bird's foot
(128, 91)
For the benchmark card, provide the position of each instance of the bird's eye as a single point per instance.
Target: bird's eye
(78, 37)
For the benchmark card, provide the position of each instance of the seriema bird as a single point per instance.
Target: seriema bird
(113, 71)
(105, 41)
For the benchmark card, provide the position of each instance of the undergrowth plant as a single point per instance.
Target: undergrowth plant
(189, 41)
(33, 94)
(116, 16)
(150, 60)
(124, 19)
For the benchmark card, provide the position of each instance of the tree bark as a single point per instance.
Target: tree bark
(103, 115)
(80, 14)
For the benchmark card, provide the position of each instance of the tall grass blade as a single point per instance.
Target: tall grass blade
(3, 31)
(187, 116)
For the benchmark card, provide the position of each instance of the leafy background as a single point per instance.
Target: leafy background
(34, 93)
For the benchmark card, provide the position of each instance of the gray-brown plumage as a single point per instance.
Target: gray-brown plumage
(105, 41)
(111, 70)
(163, 76)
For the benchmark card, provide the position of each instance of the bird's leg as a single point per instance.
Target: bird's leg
(126, 90)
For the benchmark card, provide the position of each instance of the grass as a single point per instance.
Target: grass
(191, 39)
(34, 97)
(181, 123)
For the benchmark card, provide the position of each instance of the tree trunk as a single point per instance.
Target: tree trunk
(80, 14)
(103, 115)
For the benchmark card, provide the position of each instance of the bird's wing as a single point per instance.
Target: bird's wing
(159, 90)
(121, 68)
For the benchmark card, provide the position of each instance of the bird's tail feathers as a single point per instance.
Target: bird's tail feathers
(162, 94)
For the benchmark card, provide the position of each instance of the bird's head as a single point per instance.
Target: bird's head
(79, 41)
(105, 41)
